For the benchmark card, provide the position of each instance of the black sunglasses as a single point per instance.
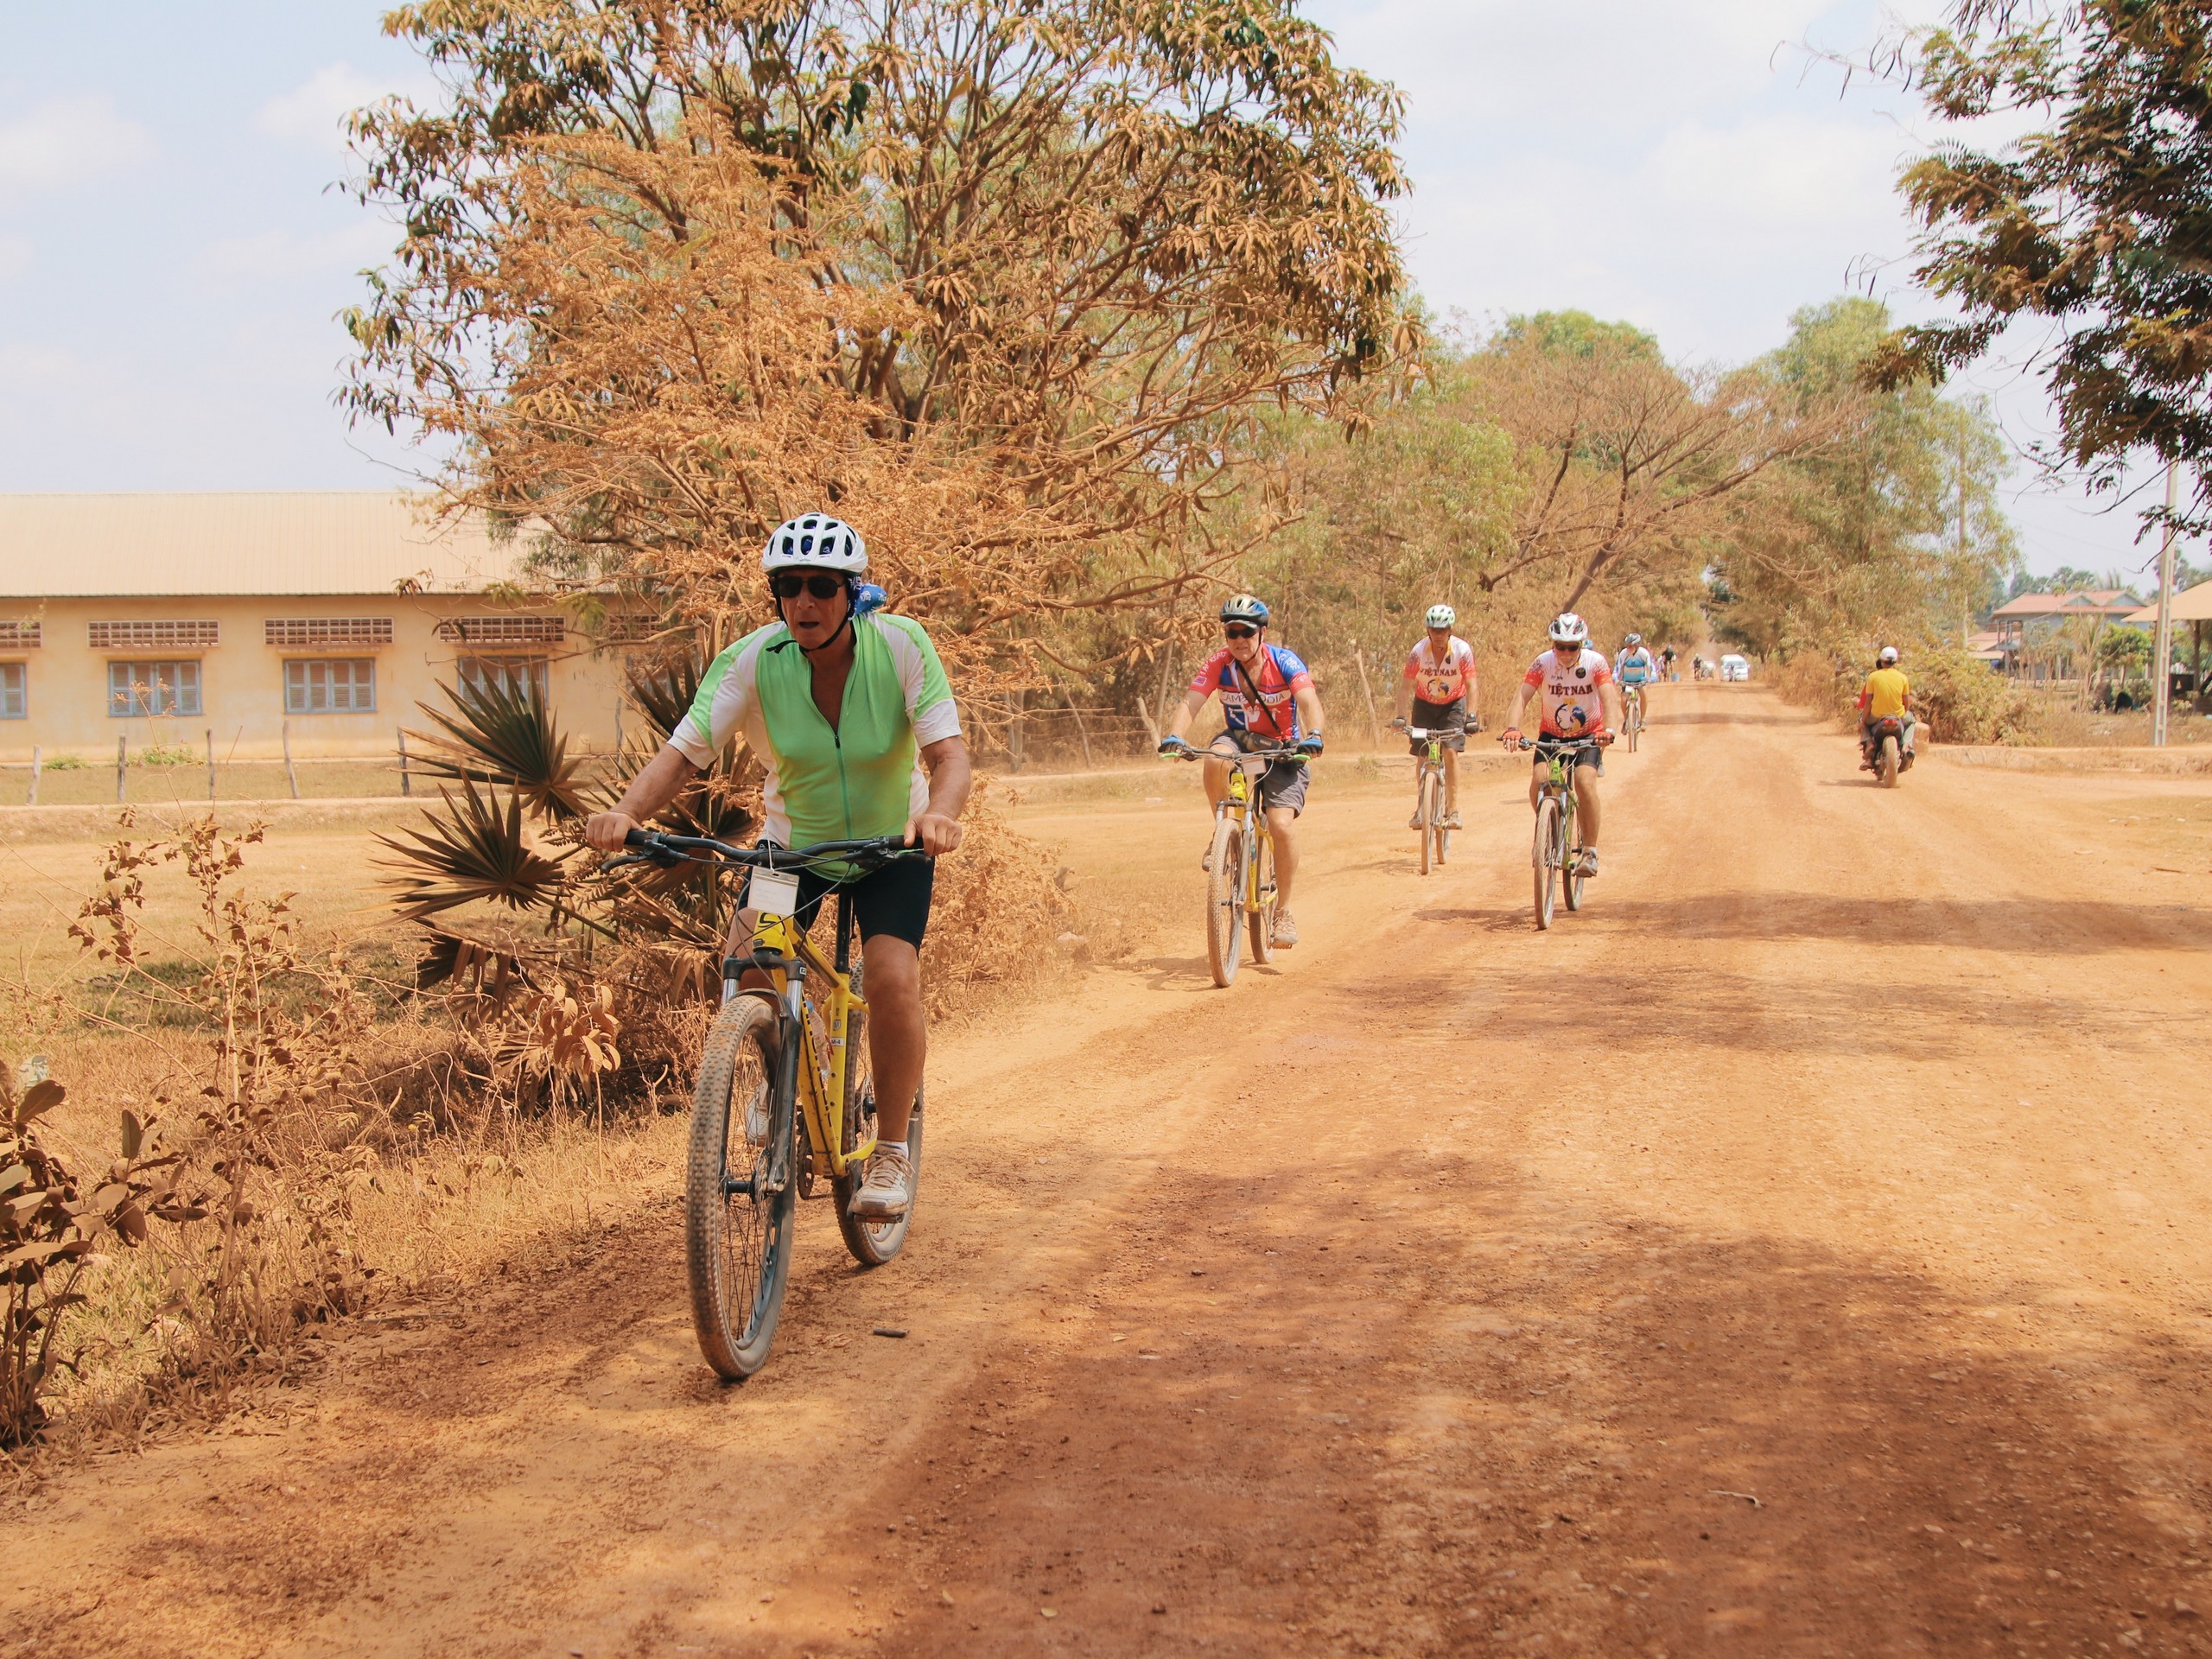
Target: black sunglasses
(1238, 631)
(788, 584)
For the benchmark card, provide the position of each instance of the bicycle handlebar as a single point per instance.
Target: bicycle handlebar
(1185, 750)
(653, 847)
(1562, 742)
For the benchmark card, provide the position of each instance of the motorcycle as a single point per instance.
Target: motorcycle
(1888, 749)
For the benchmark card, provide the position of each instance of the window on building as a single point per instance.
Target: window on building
(153, 688)
(525, 674)
(15, 691)
(333, 686)
(325, 632)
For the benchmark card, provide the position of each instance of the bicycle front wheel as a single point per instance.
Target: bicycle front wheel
(1425, 810)
(1224, 893)
(1635, 725)
(1544, 857)
(739, 1189)
(1261, 928)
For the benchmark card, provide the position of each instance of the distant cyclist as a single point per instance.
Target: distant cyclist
(855, 721)
(1436, 693)
(1887, 695)
(1666, 663)
(1636, 666)
(1577, 699)
(1267, 696)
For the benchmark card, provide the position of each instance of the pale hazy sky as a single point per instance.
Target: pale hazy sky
(171, 256)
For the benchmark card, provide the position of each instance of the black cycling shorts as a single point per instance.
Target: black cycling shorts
(894, 900)
(1549, 746)
(1447, 720)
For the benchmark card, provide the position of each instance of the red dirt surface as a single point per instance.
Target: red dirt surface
(1802, 1250)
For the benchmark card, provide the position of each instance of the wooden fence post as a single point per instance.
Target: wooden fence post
(1079, 728)
(290, 776)
(406, 783)
(120, 757)
(37, 763)
(210, 763)
(1373, 721)
(1016, 746)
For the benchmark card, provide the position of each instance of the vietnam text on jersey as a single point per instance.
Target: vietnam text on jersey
(1278, 676)
(1446, 679)
(1567, 692)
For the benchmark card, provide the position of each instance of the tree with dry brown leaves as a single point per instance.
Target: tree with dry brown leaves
(1002, 282)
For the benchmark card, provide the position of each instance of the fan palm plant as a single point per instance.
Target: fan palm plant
(500, 732)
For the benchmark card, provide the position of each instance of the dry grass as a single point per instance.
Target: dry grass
(431, 1168)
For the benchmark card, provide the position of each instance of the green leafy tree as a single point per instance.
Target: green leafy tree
(1891, 531)
(2095, 222)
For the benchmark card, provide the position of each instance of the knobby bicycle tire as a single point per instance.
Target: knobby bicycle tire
(1570, 861)
(1545, 852)
(1225, 880)
(1260, 925)
(1635, 725)
(1424, 810)
(737, 1245)
(1438, 834)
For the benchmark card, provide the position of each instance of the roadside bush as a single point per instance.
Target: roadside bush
(1964, 699)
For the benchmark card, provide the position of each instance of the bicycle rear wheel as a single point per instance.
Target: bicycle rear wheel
(1424, 810)
(1570, 865)
(1545, 853)
(872, 1243)
(738, 1193)
(1224, 889)
(1260, 925)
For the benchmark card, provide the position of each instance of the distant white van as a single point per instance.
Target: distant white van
(1733, 667)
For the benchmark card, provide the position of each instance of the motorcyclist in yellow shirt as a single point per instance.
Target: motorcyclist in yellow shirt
(1887, 695)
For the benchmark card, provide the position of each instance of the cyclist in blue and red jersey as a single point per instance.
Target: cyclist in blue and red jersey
(1267, 697)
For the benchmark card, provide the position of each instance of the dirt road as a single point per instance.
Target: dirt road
(1804, 1251)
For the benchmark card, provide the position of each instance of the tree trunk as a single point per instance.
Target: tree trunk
(1374, 719)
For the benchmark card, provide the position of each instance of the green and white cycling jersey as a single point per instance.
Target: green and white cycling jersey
(863, 777)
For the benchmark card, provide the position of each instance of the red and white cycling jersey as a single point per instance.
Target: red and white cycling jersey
(1567, 693)
(1447, 682)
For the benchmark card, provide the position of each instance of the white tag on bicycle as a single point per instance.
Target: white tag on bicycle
(773, 892)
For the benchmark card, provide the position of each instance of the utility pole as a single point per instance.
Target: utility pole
(2163, 641)
(1966, 603)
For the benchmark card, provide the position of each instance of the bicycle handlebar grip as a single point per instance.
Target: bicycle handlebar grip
(640, 838)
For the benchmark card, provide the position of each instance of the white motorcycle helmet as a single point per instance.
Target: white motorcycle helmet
(818, 542)
(1441, 616)
(1570, 630)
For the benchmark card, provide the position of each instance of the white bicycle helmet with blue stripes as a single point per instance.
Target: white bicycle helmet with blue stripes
(819, 543)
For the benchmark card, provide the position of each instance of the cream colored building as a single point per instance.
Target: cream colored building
(323, 617)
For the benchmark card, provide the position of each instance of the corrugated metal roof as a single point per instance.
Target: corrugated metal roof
(292, 543)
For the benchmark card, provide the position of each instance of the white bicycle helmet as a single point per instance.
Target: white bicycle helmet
(1889, 655)
(1633, 640)
(1245, 607)
(1570, 630)
(818, 542)
(1441, 616)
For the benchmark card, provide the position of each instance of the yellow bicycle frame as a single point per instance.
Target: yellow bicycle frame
(782, 950)
(1239, 802)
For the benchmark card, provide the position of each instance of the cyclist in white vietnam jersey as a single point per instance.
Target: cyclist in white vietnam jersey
(854, 720)
(1575, 691)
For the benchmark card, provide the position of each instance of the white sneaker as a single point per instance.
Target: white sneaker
(1589, 867)
(887, 1189)
(1451, 821)
(1285, 933)
(1413, 822)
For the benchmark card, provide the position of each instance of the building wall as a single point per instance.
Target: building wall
(65, 676)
